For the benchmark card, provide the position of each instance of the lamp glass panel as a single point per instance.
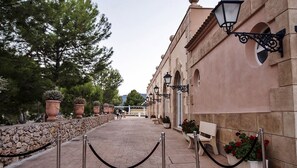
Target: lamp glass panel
(231, 12)
(156, 89)
(167, 79)
(219, 13)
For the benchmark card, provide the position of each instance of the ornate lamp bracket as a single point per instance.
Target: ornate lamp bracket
(270, 42)
(182, 88)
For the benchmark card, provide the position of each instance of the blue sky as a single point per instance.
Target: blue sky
(140, 35)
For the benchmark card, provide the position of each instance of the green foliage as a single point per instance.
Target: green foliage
(166, 119)
(3, 84)
(109, 80)
(79, 100)
(53, 95)
(134, 99)
(89, 91)
(96, 103)
(63, 36)
(54, 43)
(25, 88)
(239, 148)
(189, 126)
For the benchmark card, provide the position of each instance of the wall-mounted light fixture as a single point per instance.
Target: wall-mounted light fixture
(182, 88)
(156, 90)
(147, 101)
(152, 98)
(226, 13)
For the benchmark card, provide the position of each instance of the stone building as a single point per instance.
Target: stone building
(237, 86)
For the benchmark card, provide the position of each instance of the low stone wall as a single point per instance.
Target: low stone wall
(19, 139)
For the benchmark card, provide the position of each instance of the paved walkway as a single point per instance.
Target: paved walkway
(123, 143)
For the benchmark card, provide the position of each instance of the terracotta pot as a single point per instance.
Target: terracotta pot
(79, 110)
(52, 109)
(96, 110)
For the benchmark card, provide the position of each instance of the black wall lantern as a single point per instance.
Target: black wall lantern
(182, 88)
(156, 90)
(152, 98)
(226, 13)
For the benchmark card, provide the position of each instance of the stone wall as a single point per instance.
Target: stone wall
(19, 139)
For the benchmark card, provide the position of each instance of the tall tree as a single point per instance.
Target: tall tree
(25, 88)
(109, 80)
(63, 37)
(134, 99)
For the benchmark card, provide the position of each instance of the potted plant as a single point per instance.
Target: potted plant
(237, 149)
(106, 108)
(96, 108)
(153, 116)
(79, 106)
(188, 126)
(52, 99)
(166, 122)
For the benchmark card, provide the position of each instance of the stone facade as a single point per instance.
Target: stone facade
(19, 139)
(229, 87)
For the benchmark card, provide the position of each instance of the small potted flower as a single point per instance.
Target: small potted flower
(79, 106)
(238, 148)
(52, 99)
(189, 126)
(166, 122)
(96, 108)
(153, 116)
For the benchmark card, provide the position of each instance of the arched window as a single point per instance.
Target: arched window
(261, 53)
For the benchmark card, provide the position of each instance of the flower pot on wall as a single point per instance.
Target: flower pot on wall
(96, 110)
(52, 109)
(79, 110)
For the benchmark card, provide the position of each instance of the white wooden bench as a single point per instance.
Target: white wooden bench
(205, 129)
(155, 120)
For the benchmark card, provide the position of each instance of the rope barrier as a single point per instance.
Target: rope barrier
(236, 164)
(137, 164)
(27, 153)
(103, 161)
(146, 156)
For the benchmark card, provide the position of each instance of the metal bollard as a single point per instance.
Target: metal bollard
(58, 149)
(261, 132)
(84, 154)
(196, 139)
(163, 150)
